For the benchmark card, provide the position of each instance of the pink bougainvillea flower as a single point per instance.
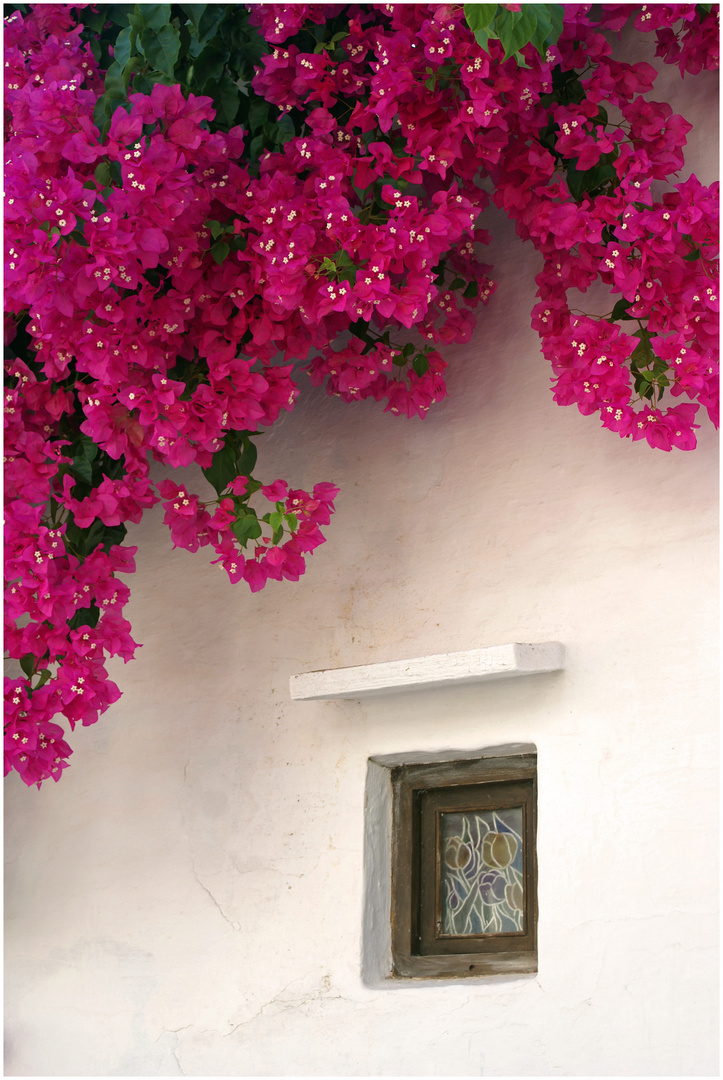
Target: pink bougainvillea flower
(165, 280)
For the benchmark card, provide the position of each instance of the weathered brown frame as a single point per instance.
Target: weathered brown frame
(414, 953)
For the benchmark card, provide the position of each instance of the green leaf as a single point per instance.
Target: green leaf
(692, 255)
(479, 16)
(123, 46)
(111, 536)
(292, 522)
(114, 82)
(246, 527)
(194, 12)
(27, 663)
(88, 448)
(557, 16)
(566, 87)
(471, 291)
(543, 26)
(246, 462)
(82, 469)
(94, 20)
(84, 540)
(134, 64)
(420, 365)
(136, 20)
(276, 520)
(225, 100)
(237, 457)
(102, 174)
(253, 528)
(342, 258)
(209, 65)
(579, 182)
(154, 15)
(142, 85)
(620, 311)
(160, 47)
(285, 129)
(219, 251)
(118, 14)
(256, 146)
(482, 37)
(210, 21)
(549, 26)
(258, 113)
(85, 617)
(519, 31)
(590, 181)
(222, 469)
(45, 675)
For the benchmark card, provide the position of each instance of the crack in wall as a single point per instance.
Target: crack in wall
(178, 1060)
(234, 925)
(268, 1004)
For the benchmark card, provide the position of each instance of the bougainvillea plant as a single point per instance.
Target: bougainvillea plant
(210, 207)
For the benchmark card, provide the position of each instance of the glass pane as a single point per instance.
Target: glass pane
(481, 878)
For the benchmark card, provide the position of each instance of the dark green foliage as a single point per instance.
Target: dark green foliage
(536, 24)
(237, 457)
(208, 49)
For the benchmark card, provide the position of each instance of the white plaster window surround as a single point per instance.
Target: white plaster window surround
(418, 673)
(392, 954)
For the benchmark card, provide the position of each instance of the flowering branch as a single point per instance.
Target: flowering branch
(208, 205)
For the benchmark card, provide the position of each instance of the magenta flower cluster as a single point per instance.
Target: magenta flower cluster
(166, 290)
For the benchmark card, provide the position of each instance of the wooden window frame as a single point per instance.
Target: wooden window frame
(420, 793)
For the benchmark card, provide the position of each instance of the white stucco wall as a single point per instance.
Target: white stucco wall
(189, 898)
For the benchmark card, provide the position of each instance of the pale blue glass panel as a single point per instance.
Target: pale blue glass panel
(482, 872)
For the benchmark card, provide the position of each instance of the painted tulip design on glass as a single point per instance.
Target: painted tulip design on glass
(514, 895)
(482, 872)
(499, 848)
(457, 854)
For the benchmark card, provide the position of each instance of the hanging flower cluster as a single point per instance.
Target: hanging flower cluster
(657, 256)
(167, 269)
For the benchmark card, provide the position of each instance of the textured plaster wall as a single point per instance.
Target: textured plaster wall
(188, 900)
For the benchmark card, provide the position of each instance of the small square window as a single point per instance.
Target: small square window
(463, 873)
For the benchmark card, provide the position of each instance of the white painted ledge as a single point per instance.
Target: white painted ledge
(444, 669)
